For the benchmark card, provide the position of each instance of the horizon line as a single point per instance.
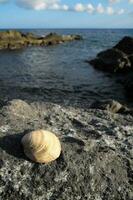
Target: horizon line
(61, 28)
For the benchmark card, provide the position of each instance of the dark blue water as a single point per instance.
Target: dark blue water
(59, 73)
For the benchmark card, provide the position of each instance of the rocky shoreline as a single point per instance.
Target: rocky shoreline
(13, 39)
(96, 160)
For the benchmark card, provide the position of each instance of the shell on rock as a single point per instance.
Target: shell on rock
(41, 146)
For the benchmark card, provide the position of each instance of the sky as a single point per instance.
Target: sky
(66, 13)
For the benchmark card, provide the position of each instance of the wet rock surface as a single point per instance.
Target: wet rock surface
(96, 159)
(13, 39)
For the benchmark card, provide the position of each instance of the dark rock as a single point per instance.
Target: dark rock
(128, 85)
(129, 90)
(109, 105)
(2, 103)
(117, 59)
(131, 59)
(77, 37)
(125, 45)
(111, 60)
(52, 36)
(88, 168)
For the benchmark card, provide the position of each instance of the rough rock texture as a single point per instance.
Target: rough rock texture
(117, 59)
(95, 164)
(112, 60)
(16, 40)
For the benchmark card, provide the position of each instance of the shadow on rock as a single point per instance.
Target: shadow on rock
(12, 145)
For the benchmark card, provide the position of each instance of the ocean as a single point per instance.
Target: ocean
(59, 74)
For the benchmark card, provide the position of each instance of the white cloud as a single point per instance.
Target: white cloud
(110, 10)
(65, 7)
(90, 8)
(100, 8)
(32, 4)
(79, 7)
(57, 5)
(42, 4)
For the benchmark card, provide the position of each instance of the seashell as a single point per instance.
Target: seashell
(41, 146)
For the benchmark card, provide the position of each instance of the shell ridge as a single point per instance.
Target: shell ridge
(41, 146)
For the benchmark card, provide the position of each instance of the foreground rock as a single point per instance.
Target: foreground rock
(117, 59)
(16, 40)
(95, 164)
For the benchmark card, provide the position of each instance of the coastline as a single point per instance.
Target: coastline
(96, 160)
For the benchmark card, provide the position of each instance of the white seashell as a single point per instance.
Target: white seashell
(41, 146)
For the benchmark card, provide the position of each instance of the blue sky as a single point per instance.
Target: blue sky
(66, 14)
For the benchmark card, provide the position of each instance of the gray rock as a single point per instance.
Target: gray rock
(96, 160)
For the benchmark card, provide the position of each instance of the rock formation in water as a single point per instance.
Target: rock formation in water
(96, 159)
(117, 59)
(16, 40)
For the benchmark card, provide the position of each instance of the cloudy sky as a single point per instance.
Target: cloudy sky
(66, 13)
